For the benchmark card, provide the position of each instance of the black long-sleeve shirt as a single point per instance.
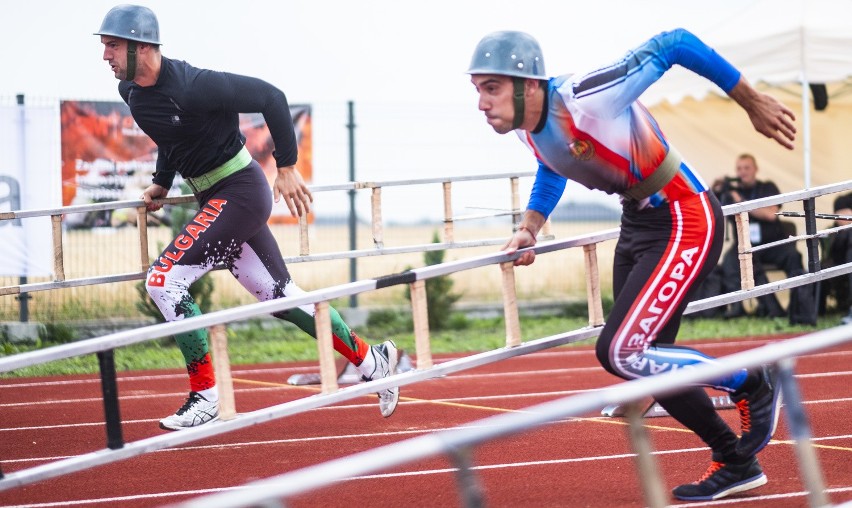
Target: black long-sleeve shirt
(771, 230)
(192, 115)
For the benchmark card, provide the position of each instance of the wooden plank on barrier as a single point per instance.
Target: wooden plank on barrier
(325, 348)
(304, 246)
(142, 225)
(449, 237)
(10, 290)
(222, 367)
(516, 200)
(744, 242)
(376, 212)
(420, 315)
(546, 232)
(510, 305)
(593, 285)
(58, 262)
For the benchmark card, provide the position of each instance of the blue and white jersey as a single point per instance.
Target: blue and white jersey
(598, 134)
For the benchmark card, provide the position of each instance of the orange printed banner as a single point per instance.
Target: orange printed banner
(107, 157)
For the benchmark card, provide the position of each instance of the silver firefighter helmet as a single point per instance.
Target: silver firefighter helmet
(131, 22)
(508, 53)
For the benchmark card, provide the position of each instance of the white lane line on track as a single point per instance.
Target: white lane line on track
(479, 398)
(286, 371)
(130, 397)
(160, 495)
(284, 376)
(332, 408)
(283, 385)
(342, 437)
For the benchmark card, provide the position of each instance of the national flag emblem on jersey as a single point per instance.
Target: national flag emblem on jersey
(581, 149)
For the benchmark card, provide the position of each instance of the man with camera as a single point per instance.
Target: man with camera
(764, 227)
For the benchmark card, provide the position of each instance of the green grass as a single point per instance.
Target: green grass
(275, 341)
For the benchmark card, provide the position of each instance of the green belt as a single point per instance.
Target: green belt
(207, 180)
(656, 180)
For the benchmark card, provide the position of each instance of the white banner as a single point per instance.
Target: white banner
(30, 178)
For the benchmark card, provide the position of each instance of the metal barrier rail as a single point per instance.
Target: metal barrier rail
(103, 346)
(740, 210)
(150, 332)
(460, 440)
(118, 450)
(330, 394)
(56, 215)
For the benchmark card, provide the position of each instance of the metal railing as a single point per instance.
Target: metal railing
(331, 394)
(449, 220)
(457, 443)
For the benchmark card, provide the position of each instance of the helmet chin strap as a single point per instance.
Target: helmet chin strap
(131, 61)
(518, 100)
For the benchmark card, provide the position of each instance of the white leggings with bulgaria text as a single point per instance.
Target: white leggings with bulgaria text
(231, 229)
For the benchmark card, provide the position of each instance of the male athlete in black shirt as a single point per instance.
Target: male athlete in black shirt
(193, 116)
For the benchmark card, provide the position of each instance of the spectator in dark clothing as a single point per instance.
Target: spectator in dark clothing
(838, 250)
(764, 227)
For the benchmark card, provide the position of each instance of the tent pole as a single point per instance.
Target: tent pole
(806, 108)
(806, 135)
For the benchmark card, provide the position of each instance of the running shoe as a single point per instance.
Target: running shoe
(195, 411)
(386, 356)
(722, 480)
(759, 410)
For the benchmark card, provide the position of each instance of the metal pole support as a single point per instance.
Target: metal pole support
(469, 485)
(353, 217)
(811, 229)
(800, 431)
(109, 387)
(649, 473)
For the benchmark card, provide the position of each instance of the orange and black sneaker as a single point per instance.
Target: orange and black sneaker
(759, 409)
(722, 480)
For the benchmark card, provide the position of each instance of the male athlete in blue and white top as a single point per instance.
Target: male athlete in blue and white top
(591, 129)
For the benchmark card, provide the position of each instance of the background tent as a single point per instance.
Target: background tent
(778, 46)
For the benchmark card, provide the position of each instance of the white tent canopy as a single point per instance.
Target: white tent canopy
(775, 43)
(780, 44)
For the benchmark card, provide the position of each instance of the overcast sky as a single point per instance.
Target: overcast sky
(401, 62)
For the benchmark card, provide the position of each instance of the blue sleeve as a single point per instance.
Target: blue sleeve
(685, 49)
(546, 191)
(609, 90)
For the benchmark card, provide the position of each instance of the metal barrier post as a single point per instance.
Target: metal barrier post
(649, 473)
(811, 229)
(800, 430)
(109, 388)
(469, 486)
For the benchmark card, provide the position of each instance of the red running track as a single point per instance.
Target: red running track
(580, 462)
